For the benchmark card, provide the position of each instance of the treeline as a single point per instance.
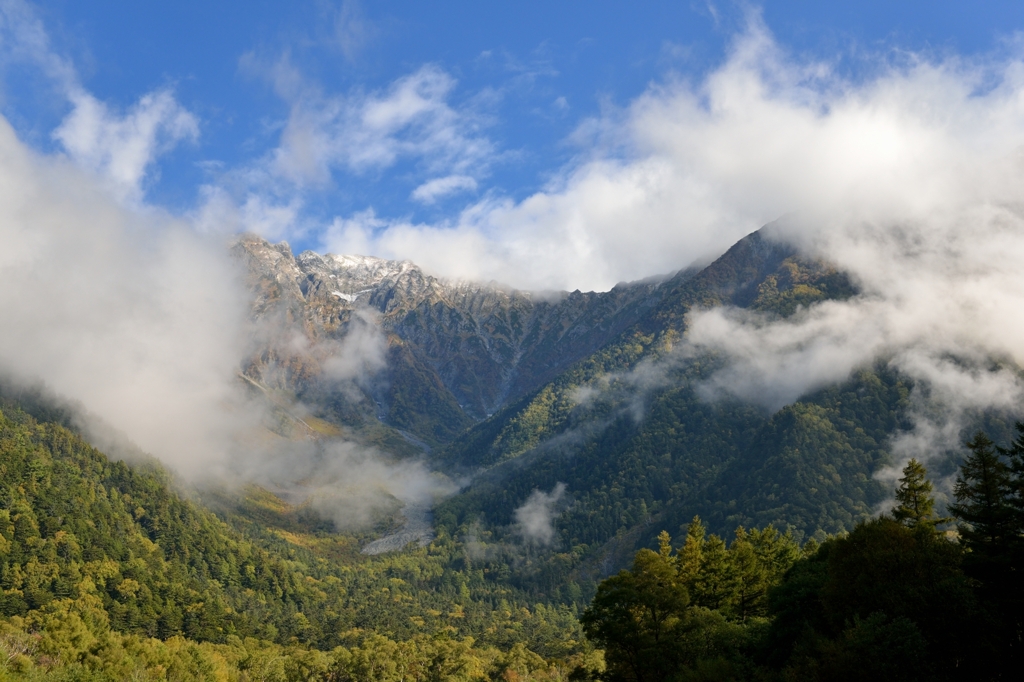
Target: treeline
(72, 641)
(104, 568)
(897, 598)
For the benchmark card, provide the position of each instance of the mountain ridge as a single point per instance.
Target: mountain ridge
(467, 348)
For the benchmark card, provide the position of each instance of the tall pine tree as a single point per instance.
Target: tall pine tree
(1013, 597)
(915, 506)
(981, 491)
(1015, 492)
(984, 489)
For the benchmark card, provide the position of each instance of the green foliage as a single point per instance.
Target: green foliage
(734, 580)
(650, 631)
(808, 468)
(418, 402)
(641, 618)
(884, 587)
(981, 499)
(891, 600)
(100, 545)
(70, 640)
(798, 283)
(989, 507)
(915, 505)
(628, 431)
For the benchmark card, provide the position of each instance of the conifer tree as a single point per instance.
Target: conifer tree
(691, 555)
(981, 499)
(915, 506)
(664, 544)
(1012, 598)
(715, 586)
(751, 578)
(1015, 489)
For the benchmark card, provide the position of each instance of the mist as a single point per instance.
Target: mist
(535, 517)
(130, 313)
(139, 325)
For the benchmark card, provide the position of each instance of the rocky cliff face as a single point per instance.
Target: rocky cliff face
(452, 352)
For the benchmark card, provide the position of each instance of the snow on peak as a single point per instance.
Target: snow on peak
(366, 269)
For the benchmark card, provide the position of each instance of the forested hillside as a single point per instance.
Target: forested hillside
(639, 449)
(625, 430)
(97, 557)
(897, 598)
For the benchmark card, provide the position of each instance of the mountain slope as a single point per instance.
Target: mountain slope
(456, 352)
(627, 432)
(77, 527)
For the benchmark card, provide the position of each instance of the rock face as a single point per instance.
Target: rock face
(453, 352)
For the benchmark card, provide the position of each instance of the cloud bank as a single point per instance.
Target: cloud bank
(691, 166)
(132, 314)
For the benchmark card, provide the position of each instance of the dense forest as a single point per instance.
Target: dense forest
(896, 598)
(108, 572)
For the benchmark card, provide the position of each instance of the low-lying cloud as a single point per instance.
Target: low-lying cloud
(132, 314)
(535, 518)
(143, 324)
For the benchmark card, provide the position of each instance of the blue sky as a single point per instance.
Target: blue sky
(336, 124)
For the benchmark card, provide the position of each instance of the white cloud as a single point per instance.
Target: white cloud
(122, 148)
(128, 312)
(352, 30)
(220, 213)
(119, 148)
(23, 38)
(535, 518)
(411, 119)
(432, 190)
(690, 166)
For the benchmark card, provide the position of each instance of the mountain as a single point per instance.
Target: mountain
(646, 452)
(493, 379)
(577, 424)
(455, 352)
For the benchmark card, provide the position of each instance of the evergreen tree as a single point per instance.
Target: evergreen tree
(1012, 599)
(1015, 490)
(984, 494)
(981, 491)
(691, 556)
(915, 506)
(664, 544)
(751, 578)
(715, 585)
